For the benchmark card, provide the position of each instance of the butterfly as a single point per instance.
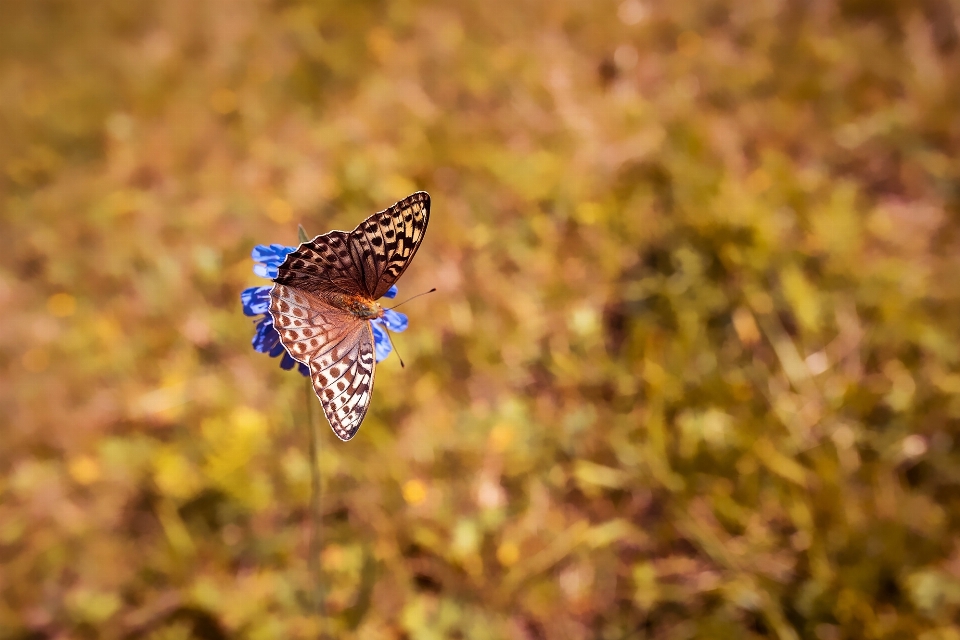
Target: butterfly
(325, 294)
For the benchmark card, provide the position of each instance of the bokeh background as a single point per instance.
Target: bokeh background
(691, 372)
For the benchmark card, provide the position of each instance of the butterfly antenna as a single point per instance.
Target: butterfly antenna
(411, 298)
(387, 331)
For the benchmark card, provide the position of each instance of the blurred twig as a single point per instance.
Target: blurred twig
(699, 525)
(317, 603)
(563, 544)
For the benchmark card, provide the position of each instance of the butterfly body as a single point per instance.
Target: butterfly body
(361, 307)
(325, 295)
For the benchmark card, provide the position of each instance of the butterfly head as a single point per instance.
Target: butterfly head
(369, 310)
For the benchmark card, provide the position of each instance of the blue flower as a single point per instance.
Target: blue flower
(271, 257)
(256, 302)
(391, 320)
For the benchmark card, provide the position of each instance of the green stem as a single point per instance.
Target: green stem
(316, 515)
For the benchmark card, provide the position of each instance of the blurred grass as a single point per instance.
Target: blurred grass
(692, 370)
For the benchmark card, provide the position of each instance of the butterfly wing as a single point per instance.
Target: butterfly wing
(366, 261)
(336, 346)
(326, 264)
(343, 380)
(384, 244)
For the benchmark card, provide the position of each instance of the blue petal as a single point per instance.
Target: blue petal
(270, 258)
(265, 271)
(394, 320)
(287, 363)
(381, 343)
(266, 337)
(255, 300)
(391, 292)
(271, 255)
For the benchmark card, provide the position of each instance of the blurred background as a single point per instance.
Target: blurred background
(691, 372)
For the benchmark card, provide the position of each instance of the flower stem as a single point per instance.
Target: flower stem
(317, 604)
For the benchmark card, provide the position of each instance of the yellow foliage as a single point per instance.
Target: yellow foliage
(692, 367)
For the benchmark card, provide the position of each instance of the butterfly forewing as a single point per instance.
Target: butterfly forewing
(366, 261)
(326, 264)
(336, 345)
(388, 240)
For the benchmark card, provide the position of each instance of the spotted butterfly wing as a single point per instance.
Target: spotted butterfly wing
(387, 241)
(311, 304)
(336, 346)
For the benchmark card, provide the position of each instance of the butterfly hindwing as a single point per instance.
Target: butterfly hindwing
(336, 346)
(307, 325)
(343, 380)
